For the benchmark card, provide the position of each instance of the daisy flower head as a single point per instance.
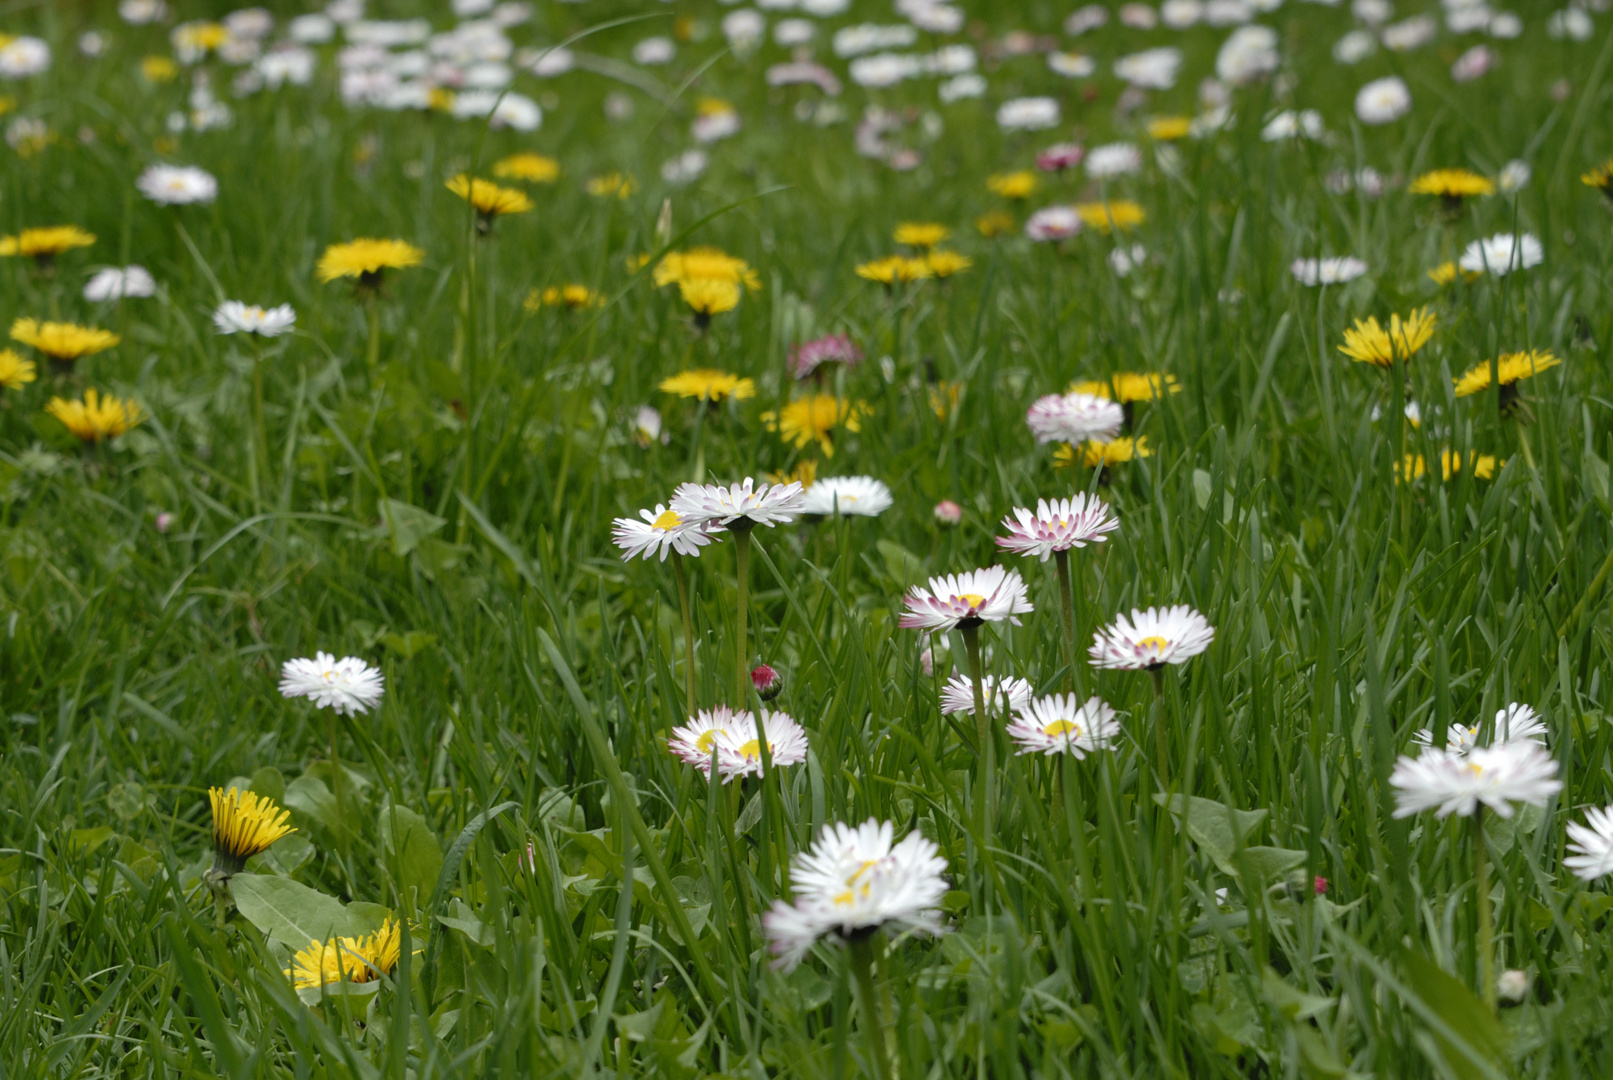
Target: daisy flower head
(1592, 845)
(708, 384)
(692, 743)
(1514, 723)
(367, 259)
(234, 317)
(990, 594)
(1113, 160)
(1060, 157)
(1513, 368)
(739, 506)
(349, 685)
(528, 168)
(814, 419)
(1061, 724)
(44, 244)
(1051, 224)
(23, 56)
(739, 751)
(16, 372)
(1074, 418)
(1028, 114)
(177, 185)
(1383, 101)
(1370, 343)
(809, 357)
(847, 496)
(62, 342)
(244, 825)
(1151, 639)
(1331, 271)
(1495, 776)
(958, 695)
(661, 531)
(114, 283)
(1057, 526)
(96, 418)
(1502, 253)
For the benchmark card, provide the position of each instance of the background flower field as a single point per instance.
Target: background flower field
(423, 468)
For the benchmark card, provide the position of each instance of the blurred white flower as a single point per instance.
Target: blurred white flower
(961, 87)
(1570, 23)
(1501, 254)
(1354, 47)
(177, 185)
(687, 166)
(654, 50)
(23, 56)
(1383, 101)
(1515, 175)
(1053, 223)
(1028, 114)
(1412, 33)
(1152, 69)
(1138, 16)
(866, 38)
(1180, 14)
(141, 12)
(234, 317)
(113, 283)
(1289, 124)
(744, 29)
(1087, 18)
(1113, 159)
(1249, 53)
(312, 29)
(1071, 65)
(1332, 271)
(1494, 776)
(792, 32)
(884, 69)
(1123, 260)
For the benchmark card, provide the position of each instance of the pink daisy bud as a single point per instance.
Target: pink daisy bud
(165, 521)
(768, 682)
(948, 512)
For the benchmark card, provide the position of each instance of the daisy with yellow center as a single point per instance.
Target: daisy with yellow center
(96, 418)
(995, 223)
(1369, 343)
(1014, 185)
(894, 268)
(813, 419)
(1450, 463)
(1129, 386)
(1600, 178)
(1105, 216)
(611, 184)
(43, 245)
(367, 259)
(1169, 128)
(490, 200)
(528, 168)
(63, 342)
(921, 234)
(707, 384)
(15, 372)
(1513, 367)
(705, 264)
(571, 297)
(244, 825)
(944, 264)
(347, 959)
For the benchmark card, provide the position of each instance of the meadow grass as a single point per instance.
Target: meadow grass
(446, 514)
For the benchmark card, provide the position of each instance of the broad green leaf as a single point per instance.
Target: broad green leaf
(288, 911)
(406, 645)
(1260, 866)
(407, 525)
(1211, 825)
(1482, 1050)
(904, 567)
(1292, 1002)
(412, 852)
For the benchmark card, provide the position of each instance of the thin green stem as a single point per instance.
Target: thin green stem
(261, 450)
(337, 785)
(688, 632)
(1067, 605)
(985, 747)
(1486, 941)
(372, 353)
(1161, 743)
(742, 570)
(862, 968)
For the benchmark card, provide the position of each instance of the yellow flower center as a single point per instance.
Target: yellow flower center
(974, 600)
(752, 750)
(666, 520)
(1154, 643)
(703, 744)
(1061, 727)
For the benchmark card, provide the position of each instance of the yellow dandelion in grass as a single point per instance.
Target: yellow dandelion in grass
(1014, 185)
(1446, 272)
(612, 184)
(44, 244)
(1169, 128)
(347, 959)
(1600, 178)
(995, 223)
(921, 234)
(63, 342)
(7, 103)
(490, 200)
(813, 419)
(1116, 451)
(944, 397)
(805, 473)
(367, 259)
(244, 824)
(96, 418)
(1104, 216)
(1453, 187)
(1450, 463)
(1513, 368)
(705, 264)
(195, 38)
(1369, 343)
(528, 168)
(158, 69)
(571, 297)
(894, 268)
(707, 297)
(708, 384)
(1129, 386)
(15, 372)
(944, 264)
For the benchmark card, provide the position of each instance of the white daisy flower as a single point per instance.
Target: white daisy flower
(991, 594)
(857, 880)
(1057, 526)
(1501, 254)
(234, 317)
(1152, 638)
(177, 185)
(692, 742)
(660, 532)
(1514, 723)
(849, 496)
(1060, 724)
(1074, 418)
(23, 56)
(1383, 101)
(1113, 159)
(113, 283)
(958, 695)
(745, 501)
(1354, 47)
(1152, 69)
(140, 12)
(1497, 776)
(1592, 844)
(739, 752)
(1409, 34)
(1053, 223)
(1332, 271)
(1028, 114)
(348, 685)
(1249, 53)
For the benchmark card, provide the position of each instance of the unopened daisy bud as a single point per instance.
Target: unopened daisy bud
(165, 521)
(948, 513)
(768, 682)
(1319, 886)
(1513, 985)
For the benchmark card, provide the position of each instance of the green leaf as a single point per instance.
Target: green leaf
(1292, 1002)
(1473, 1044)
(407, 525)
(1261, 866)
(288, 911)
(406, 645)
(464, 920)
(904, 567)
(1211, 825)
(411, 849)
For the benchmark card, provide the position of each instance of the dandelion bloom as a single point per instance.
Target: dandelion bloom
(1073, 418)
(1515, 722)
(705, 264)
(62, 342)
(1494, 776)
(44, 244)
(744, 504)
(571, 297)
(1057, 526)
(990, 594)
(244, 825)
(1169, 128)
(707, 297)
(944, 264)
(1513, 367)
(661, 532)
(1060, 724)
(348, 685)
(1127, 387)
(1014, 185)
(994, 223)
(708, 384)
(347, 959)
(807, 357)
(1452, 185)
(1369, 343)
(490, 200)
(15, 371)
(847, 496)
(814, 418)
(1600, 178)
(177, 185)
(1104, 216)
(894, 268)
(611, 184)
(1450, 463)
(234, 317)
(958, 695)
(1096, 452)
(367, 259)
(1592, 845)
(1446, 272)
(530, 168)
(1502, 253)
(921, 234)
(1150, 639)
(96, 418)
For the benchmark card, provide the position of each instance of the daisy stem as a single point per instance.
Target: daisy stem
(862, 967)
(262, 447)
(1067, 605)
(688, 631)
(984, 747)
(1486, 942)
(1163, 750)
(741, 530)
(336, 786)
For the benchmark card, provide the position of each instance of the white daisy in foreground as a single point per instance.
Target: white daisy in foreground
(739, 751)
(849, 496)
(1513, 723)
(177, 185)
(234, 317)
(1151, 639)
(966, 600)
(1061, 724)
(692, 742)
(1383, 101)
(855, 881)
(958, 695)
(660, 532)
(348, 685)
(119, 284)
(1501, 254)
(1332, 271)
(1592, 844)
(1057, 526)
(23, 56)
(742, 505)
(1496, 776)
(1074, 418)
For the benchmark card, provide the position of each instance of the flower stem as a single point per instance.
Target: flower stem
(688, 632)
(372, 353)
(1163, 746)
(261, 472)
(985, 747)
(1486, 942)
(862, 967)
(336, 785)
(742, 570)
(1067, 604)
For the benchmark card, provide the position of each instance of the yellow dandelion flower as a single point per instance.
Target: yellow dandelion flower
(805, 473)
(1513, 367)
(894, 268)
(63, 342)
(347, 959)
(705, 264)
(366, 259)
(1114, 452)
(96, 418)
(489, 199)
(1600, 178)
(944, 264)
(1446, 272)
(708, 384)
(15, 371)
(1369, 343)
(1452, 184)
(611, 184)
(571, 297)
(813, 419)
(1169, 128)
(244, 824)
(708, 297)
(530, 168)
(199, 37)
(158, 69)
(1450, 463)
(995, 223)
(1104, 216)
(1014, 185)
(944, 397)
(440, 99)
(1129, 386)
(43, 245)
(923, 234)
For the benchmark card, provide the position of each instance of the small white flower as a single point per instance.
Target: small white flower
(1071, 65)
(1152, 638)
(1060, 724)
(115, 284)
(744, 28)
(1496, 776)
(1113, 159)
(234, 317)
(739, 751)
(852, 41)
(686, 167)
(1087, 18)
(1151, 69)
(1372, 12)
(1501, 254)
(1592, 844)
(1354, 47)
(951, 60)
(1383, 101)
(1505, 25)
(1512, 985)
(177, 185)
(1074, 418)
(792, 32)
(1332, 271)
(141, 12)
(1028, 114)
(1410, 34)
(958, 695)
(23, 56)
(962, 87)
(884, 69)
(286, 64)
(1514, 723)
(1123, 260)
(348, 685)
(848, 496)
(1057, 526)
(714, 126)
(745, 503)
(1180, 14)
(1138, 16)
(1289, 124)
(315, 29)
(654, 50)
(991, 594)
(1053, 223)
(1570, 23)
(1249, 53)
(92, 43)
(1474, 63)
(1515, 175)
(660, 532)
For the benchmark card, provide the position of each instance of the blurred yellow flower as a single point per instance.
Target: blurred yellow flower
(1446, 272)
(366, 259)
(15, 371)
(570, 296)
(805, 473)
(1453, 185)
(924, 234)
(96, 418)
(708, 384)
(1114, 452)
(1450, 463)
(46, 243)
(944, 264)
(944, 397)
(489, 199)
(995, 223)
(894, 268)
(158, 69)
(1129, 386)
(1600, 178)
(531, 168)
(708, 297)
(1169, 128)
(1513, 367)
(1119, 214)
(1369, 343)
(814, 418)
(1014, 185)
(608, 184)
(62, 341)
(705, 264)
